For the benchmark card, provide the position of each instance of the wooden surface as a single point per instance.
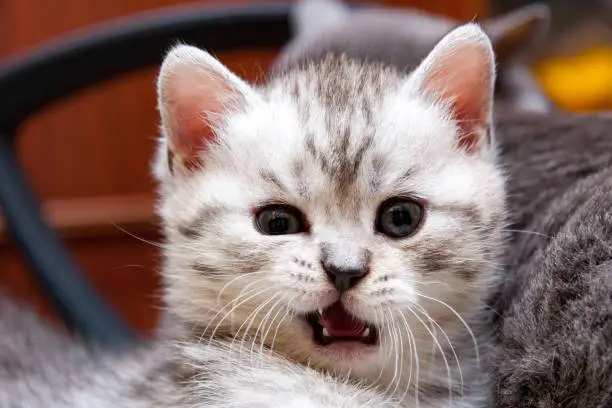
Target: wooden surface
(88, 156)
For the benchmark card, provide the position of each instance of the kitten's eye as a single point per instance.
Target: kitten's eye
(279, 220)
(398, 218)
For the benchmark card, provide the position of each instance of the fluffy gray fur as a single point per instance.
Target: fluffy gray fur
(555, 333)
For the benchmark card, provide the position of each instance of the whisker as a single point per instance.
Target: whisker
(235, 307)
(219, 312)
(457, 289)
(263, 323)
(254, 339)
(227, 285)
(240, 294)
(155, 244)
(447, 338)
(395, 346)
(251, 319)
(527, 232)
(273, 320)
(409, 382)
(400, 344)
(380, 323)
(416, 359)
(448, 371)
(452, 310)
(288, 313)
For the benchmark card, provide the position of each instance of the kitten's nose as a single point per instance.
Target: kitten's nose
(342, 278)
(345, 262)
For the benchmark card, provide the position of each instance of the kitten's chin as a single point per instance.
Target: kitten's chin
(345, 354)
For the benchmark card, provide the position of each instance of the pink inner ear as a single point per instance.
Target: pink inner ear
(192, 102)
(464, 80)
(471, 120)
(191, 133)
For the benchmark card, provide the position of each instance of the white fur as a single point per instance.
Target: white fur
(412, 130)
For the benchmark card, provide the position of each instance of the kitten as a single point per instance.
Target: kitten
(402, 38)
(346, 215)
(332, 238)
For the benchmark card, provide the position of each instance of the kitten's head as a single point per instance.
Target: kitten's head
(335, 209)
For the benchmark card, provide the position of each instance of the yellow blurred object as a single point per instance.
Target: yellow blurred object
(579, 83)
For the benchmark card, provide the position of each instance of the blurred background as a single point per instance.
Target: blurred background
(88, 156)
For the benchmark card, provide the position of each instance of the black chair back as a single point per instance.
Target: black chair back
(46, 74)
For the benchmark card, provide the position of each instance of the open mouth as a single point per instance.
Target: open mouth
(336, 324)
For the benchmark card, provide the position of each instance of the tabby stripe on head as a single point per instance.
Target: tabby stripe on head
(436, 259)
(378, 164)
(271, 178)
(300, 185)
(339, 163)
(348, 167)
(317, 155)
(436, 256)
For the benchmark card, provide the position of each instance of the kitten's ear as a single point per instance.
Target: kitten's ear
(313, 16)
(193, 91)
(516, 33)
(460, 73)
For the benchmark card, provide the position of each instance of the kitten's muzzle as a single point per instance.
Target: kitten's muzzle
(344, 276)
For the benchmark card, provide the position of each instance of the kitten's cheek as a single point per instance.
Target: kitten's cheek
(303, 290)
(373, 300)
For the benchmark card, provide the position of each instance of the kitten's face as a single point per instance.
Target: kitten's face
(339, 212)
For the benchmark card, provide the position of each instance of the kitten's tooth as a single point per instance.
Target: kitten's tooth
(325, 332)
(320, 311)
(366, 332)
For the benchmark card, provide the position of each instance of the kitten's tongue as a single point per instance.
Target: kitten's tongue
(339, 323)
